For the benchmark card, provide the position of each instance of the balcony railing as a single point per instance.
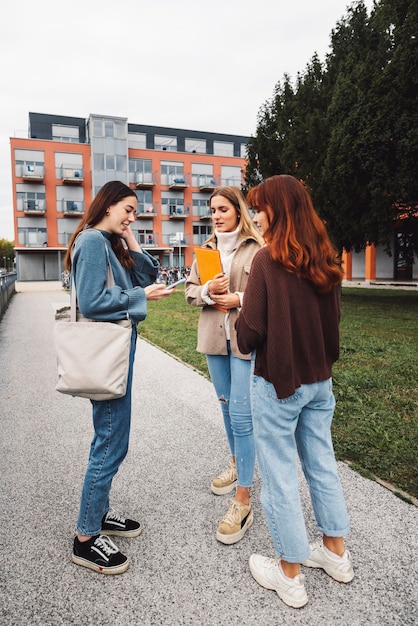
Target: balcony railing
(32, 172)
(178, 211)
(34, 207)
(73, 207)
(32, 238)
(206, 183)
(64, 238)
(147, 240)
(204, 213)
(145, 180)
(147, 211)
(72, 174)
(176, 239)
(178, 181)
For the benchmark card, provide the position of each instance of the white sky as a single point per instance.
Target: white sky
(182, 63)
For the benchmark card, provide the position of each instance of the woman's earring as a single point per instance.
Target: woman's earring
(107, 212)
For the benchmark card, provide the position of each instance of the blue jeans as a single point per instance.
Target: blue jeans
(300, 424)
(231, 379)
(112, 422)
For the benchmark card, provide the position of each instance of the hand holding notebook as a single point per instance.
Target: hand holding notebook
(209, 265)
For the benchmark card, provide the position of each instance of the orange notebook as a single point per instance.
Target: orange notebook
(209, 264)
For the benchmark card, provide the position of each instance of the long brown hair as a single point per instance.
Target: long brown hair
(111, 193)
(296, 235)
(245, 223)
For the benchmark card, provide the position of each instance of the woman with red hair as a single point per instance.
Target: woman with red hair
(290, 322)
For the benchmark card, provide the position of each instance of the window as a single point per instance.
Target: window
(165, 143)
(195, 145)
(65, 133)
(171, 172)
(98, 129)
(201, 207)
(223, 148)
(231, 176)
(202, 175)
(144, 201)
(137, 141)
(31, 201)
(110, 162)
(172, 203)
(200, 233)
(140, 165)
(243, 151)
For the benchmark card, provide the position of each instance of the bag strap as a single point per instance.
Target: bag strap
(110, 280)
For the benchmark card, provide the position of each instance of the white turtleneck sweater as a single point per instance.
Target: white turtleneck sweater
(227, 243)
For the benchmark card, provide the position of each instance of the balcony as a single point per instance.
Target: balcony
(72, 208)
(178, 211)
(147, 240)
(34, 207)
(206, 183)
(72, 174)
(147, 211)
(177, 240)
(33, 238)
(178, 181)
(145, 180)
(32, 172)
(204, 213)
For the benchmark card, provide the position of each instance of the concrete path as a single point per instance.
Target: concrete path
(179, 574)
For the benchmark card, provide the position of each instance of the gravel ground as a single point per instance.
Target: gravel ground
(179, 573)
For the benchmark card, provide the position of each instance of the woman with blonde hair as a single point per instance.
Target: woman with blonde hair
(237, 240)
(290, 322)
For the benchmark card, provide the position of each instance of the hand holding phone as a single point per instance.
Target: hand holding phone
(178, 282)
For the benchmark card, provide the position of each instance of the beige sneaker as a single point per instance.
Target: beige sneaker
(225, 482)
(235, 523)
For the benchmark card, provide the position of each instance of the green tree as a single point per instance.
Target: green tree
(349, 128)
(7, 253)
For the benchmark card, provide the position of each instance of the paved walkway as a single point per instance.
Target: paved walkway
(179, 574)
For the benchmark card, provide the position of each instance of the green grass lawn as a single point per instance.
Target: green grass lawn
(375, 381)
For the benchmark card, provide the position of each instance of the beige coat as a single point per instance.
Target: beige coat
(211, 336)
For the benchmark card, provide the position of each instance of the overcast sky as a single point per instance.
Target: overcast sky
(181, 63)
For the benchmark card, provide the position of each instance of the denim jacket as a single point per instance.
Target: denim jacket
(126, 299)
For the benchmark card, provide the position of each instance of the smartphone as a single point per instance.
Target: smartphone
(178, 282)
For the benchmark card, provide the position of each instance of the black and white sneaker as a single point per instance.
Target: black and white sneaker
(99, 554)
(116, 525)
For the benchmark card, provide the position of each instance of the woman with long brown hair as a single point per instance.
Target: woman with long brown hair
(290, 322)
(103, 237)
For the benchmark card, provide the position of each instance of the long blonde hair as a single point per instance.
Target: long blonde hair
(245, 224)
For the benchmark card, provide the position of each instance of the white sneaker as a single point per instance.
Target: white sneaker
(269, 574)
(338, 567)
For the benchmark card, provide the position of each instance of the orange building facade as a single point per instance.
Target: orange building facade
(59, 168)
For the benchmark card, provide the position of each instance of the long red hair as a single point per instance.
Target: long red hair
(296, 235)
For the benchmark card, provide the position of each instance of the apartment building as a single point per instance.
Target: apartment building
(62, 164)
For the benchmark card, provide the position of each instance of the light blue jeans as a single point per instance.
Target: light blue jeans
(231, 379)
(300, 424)
(112, 423)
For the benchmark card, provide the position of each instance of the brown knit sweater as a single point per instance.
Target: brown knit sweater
(292, 328)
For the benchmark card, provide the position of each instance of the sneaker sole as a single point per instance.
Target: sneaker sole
(235, 537)
(117, 569)
(122, 533)
(263, 582)
(220, 491)
(341, 577)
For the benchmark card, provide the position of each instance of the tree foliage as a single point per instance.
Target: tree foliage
(348, 128)
(7, 251)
